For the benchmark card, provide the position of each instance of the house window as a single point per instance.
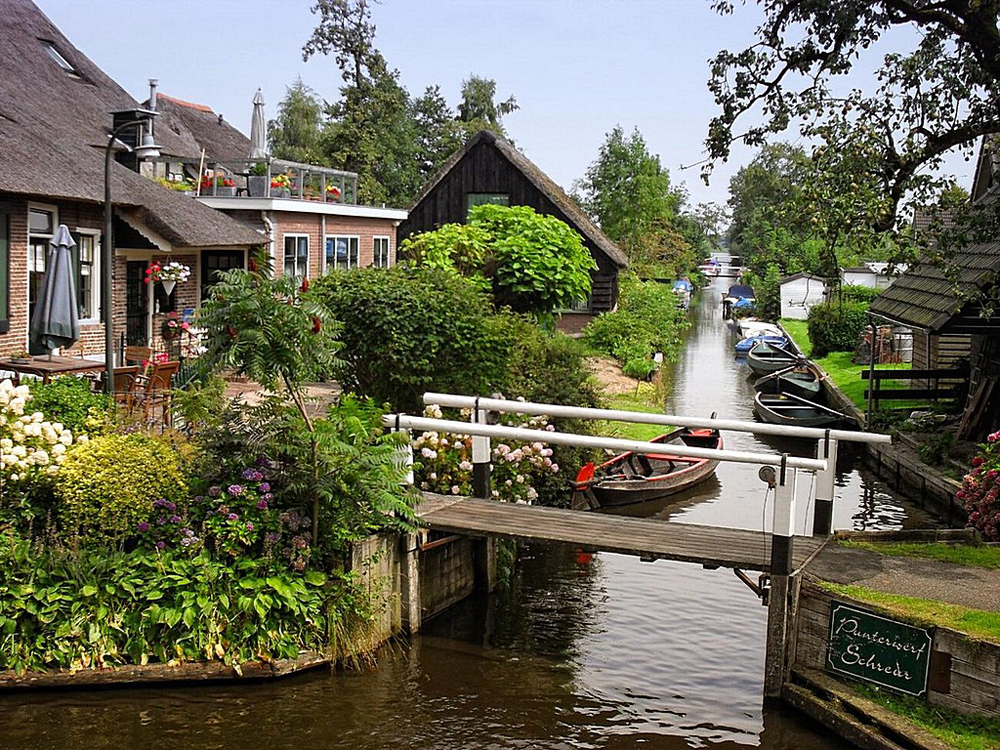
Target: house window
(297, 255)
(214, 262)
(4, 271)
(41, 225)
(85, 265)
(342, 252)
(478, 199)
(61, 61)
(380, 252)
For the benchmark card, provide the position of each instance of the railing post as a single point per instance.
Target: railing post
(825, 483)
(779, 594)
(481, 451)
(784, 520)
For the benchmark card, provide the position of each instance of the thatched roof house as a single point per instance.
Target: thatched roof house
(489, 169)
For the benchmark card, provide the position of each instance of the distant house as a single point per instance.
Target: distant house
(312, 226)
(55, 118)
(873, 274)
(487, 169)
(948, 320)
(799, 292)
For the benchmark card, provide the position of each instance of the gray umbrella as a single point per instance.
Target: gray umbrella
(258, 133)
(55, 322)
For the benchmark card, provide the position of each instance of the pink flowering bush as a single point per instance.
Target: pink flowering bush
(443, 462)
(981, 489)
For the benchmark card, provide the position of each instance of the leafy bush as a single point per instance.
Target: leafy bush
(836, 327)
(97, 609)
(647, 321)
(106, 487)
(409, 330)
(858, 293)
(70, 401)
(981, 489)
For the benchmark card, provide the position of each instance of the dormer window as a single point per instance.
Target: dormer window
(61, 61)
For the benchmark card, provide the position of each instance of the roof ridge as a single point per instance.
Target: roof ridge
(182, 103)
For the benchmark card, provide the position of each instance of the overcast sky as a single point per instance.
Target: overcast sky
(576, 67)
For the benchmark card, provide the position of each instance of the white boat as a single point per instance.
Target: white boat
(754, 327)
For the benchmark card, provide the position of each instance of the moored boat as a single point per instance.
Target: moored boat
(745, 345)
(792, 411)
(766, 358)
(753, 327)
(638, 477)
(804, 380)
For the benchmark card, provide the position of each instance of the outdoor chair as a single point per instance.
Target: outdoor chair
(138, 355)
(124, 386)
(156, 391)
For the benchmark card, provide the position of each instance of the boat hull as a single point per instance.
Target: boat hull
(778, 409)
(805, 382)
(764, 359)
(637, 478)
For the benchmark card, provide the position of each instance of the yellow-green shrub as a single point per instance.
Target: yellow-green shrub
(107, 486)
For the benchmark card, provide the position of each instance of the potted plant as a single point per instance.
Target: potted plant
(21, 357)
(281, 186)
(333, 194)
(218, 184)
(257, 180)
(168, 274)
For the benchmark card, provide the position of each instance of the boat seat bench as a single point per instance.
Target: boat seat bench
(677, 459)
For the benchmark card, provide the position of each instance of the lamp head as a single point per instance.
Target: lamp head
(148, 149)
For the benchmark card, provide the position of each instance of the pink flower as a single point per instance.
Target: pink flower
(978, 461)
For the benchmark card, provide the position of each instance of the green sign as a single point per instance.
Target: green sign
(873, 648)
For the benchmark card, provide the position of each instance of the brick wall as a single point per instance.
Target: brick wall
(312, 226)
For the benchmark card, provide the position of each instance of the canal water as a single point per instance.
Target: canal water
(580, 651)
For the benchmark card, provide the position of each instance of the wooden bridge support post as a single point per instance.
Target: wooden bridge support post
(825, 483)
(481, 451)
(779, 601)
(410, 582)
(484, 555)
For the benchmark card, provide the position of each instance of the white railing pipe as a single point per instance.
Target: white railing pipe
(619, 415)
(402, 421)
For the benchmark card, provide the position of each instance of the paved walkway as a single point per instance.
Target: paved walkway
(321, 394)
(977, 588)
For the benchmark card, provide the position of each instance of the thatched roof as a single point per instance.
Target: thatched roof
(197, 127)
(582, 223)
(54, 125)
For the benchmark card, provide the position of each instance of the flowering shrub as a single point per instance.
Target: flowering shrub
(221, 180)
(32, 450)
(280, 181)
(333, 192)
(981, 489)
(172, 271)
(443, 462)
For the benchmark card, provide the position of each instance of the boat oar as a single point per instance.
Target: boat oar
(818, 406)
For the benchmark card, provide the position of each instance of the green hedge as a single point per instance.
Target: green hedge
(836, 327)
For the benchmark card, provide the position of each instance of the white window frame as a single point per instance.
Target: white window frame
(388, 250)
(357, 241)
(299, 273)
(95, 275)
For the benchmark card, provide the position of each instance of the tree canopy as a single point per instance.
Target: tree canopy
(940, 93)
(295, 133)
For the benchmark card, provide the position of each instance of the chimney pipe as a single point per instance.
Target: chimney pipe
(152, 93)
(220, 119)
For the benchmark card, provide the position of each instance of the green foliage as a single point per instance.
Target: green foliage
(69, 401)
(856, 293)
(439, 135)
(936, 449)
(767, 291)
(836, 327)
(969, 555)
(102, 609)
(409, 330)
(647, 321)
(479, 109)
(107, 486)
(295, 133)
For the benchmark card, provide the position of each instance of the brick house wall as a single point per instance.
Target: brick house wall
(312, 226)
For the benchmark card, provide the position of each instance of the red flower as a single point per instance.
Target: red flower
(978, 461)
(231, 331)
(317, 324)
(305, 286)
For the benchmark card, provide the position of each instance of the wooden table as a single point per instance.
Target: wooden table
(47, 368)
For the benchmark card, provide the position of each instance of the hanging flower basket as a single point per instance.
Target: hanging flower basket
(168, 274)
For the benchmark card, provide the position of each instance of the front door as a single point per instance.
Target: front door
(136, 304)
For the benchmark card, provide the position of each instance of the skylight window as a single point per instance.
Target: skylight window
(61, 61)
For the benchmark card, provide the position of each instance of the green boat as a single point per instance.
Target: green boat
(804, 380)
(765, 358)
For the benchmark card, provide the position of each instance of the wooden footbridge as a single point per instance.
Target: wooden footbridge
(649, 539)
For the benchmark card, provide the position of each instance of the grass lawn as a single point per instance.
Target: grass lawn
(959, 554)
(845, 374)
(632, 402)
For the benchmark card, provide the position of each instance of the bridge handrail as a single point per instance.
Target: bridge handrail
(406, 422)
(618, 415)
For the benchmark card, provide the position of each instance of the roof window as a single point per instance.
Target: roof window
(61, 61)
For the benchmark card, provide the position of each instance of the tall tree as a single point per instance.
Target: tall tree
(295, 133)
(438, 133)
(345, 29)
(941, 93)
(479, 109)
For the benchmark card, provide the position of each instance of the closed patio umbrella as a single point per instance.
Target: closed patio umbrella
(55, 322)
(258, 132)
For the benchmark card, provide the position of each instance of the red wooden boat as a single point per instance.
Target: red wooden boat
(638, 477)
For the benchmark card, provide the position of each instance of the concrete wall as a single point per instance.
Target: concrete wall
(969, 683)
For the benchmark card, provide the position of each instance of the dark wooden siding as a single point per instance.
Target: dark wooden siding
(484, 170)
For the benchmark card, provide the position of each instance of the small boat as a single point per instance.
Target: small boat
(804, 380)
(638, 477)
(764, 358)
(792, 411)
(745, 345)
(753, 327)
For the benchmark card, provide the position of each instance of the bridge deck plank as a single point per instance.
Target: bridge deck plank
(707, 545)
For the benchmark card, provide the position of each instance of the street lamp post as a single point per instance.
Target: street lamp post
(146, 149)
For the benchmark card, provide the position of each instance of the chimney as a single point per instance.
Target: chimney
(220, 119)
(152, 93)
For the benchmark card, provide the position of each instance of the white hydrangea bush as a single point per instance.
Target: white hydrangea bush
(443, 462)
(31, 448)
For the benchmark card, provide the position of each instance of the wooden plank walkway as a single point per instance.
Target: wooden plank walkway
(709, 546)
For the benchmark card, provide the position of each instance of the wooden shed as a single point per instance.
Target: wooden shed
(487, 169)
(799, 292)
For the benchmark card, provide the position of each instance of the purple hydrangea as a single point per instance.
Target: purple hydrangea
(161, 521)
(268, 496)
(214, 491)
(262, 505)
(143, 527)
(186, 541)
(232, 517)
(264, 486)
(161, 545)
(199, 498)
(235, 489)
(249, 526)
(175, 519)
(271, 537)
